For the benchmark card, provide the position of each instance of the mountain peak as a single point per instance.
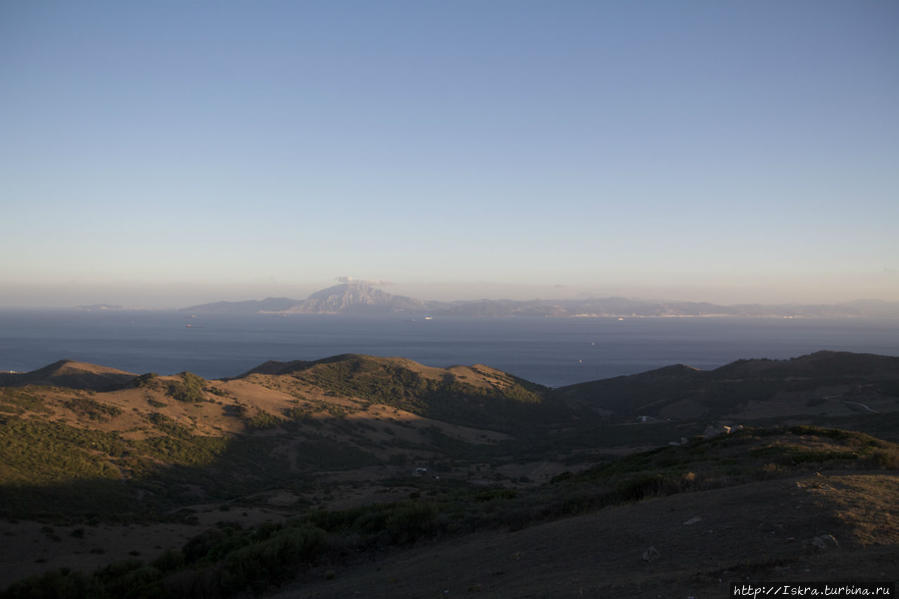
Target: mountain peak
(349, 297)
(354, 296)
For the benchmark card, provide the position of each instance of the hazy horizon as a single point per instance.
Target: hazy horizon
(167, 154)
(176, 296)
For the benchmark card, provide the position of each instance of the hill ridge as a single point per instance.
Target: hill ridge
(70, 373)
(823, 360)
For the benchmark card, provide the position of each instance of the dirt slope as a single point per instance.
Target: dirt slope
(759, 531)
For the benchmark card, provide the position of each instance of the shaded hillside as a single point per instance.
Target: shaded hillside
(823, 384)
(824, 366)
(786, 502)
(68, 373)
(764, 504)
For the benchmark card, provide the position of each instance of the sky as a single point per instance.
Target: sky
(166, 153)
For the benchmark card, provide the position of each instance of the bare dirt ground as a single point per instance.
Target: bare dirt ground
(28, 548)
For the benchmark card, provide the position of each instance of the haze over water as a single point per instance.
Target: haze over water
(549, 351)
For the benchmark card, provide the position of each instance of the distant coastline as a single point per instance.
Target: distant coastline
(362, 298)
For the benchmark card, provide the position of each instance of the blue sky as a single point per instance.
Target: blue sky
(169, 152)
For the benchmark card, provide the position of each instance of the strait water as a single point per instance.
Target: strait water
(549, 351)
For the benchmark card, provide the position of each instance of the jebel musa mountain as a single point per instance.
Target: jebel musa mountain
(356, 297)
(363, 298)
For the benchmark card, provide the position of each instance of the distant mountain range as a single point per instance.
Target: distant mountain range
(361, 298)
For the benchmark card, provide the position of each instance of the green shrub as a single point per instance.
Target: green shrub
(831, 433)
(272, 561)
(410, 521)
(91, 408)
(494, 494)
(56, 585)
(651, 485)
(144, 582)
(17, 401)
(263, 420)
(885, 459)
(199, 546)
(172, 559)
(189, 389)
(147, 381)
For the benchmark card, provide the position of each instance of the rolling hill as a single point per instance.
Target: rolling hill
(68, 373)
(820, 385)
(317, 468)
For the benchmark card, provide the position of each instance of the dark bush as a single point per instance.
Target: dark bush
(272, 561)
(410, 521)
(56, 585)
(188, 389)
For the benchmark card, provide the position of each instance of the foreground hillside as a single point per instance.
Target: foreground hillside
(766, 504)
(805, 527)
(313, 469)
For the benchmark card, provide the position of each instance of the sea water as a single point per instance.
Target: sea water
(551, 351)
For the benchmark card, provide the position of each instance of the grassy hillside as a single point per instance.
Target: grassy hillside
(173, 440)
(474, 396)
